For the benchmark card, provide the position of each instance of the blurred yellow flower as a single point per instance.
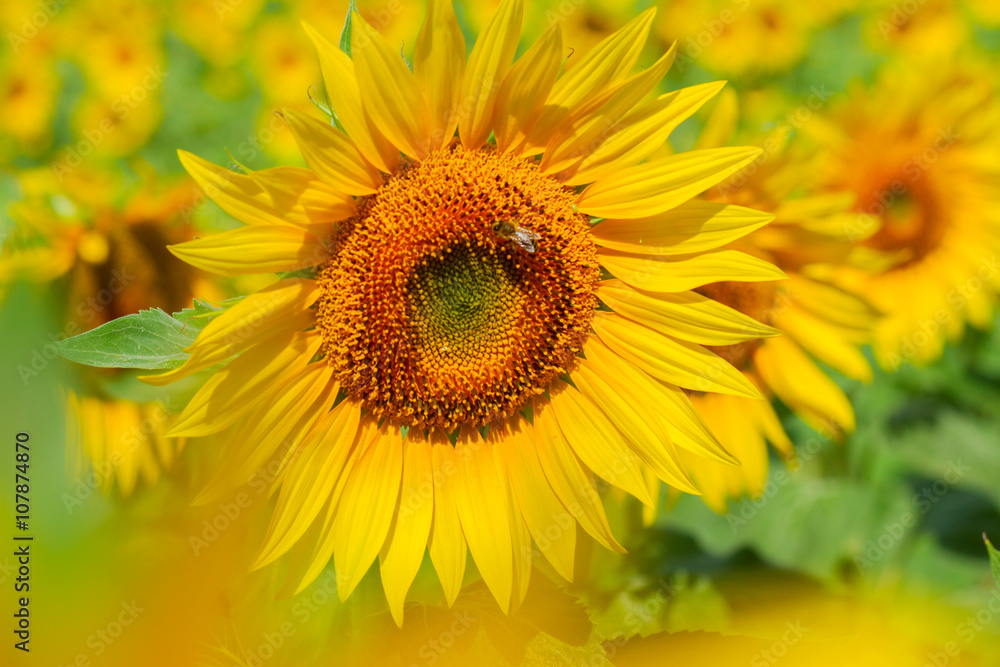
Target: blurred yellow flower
(918, 150)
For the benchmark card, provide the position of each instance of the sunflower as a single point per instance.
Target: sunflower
(105, 261)
(439, 371)
(918, 152)
(819, 320)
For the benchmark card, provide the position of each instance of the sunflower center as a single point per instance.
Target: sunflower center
(463, 287)
(912, 221)
(756, 300)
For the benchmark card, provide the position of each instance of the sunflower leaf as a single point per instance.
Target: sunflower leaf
(149, 339)
(994, 558)
(345, 34)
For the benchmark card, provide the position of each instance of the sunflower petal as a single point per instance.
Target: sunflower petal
(389, 91)
(550, 524)
(680, 273)
(404, 549)
(240, 385)
(646, 437)
(446, 545)
(302, 197)
(685, 315)
(332, 155)
(236, 194)
(253, 249)
(664, 403)
(694, 226)
(596, 441)
(801, 385)
(309, 479)
(366, 508)
(525, 88)
(439, 66)
(345, 99)
(660, 185)
(489, 63)
(480, 494)
(677, 362)
(571, 481)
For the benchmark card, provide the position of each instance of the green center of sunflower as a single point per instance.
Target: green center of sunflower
(462, 288)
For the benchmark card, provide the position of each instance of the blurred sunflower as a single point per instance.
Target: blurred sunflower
(738, 37)
(422, 386)
(919, 153)
(820, 321)
(109, 261)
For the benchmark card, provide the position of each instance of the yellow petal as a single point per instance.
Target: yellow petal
(657, 186)
(480, 494)
(236, 194)
(596, 441)
(801, 385)
(404, 549)
(439, 66)
(446, 545)
(722, 122)
(592, 124)
(389, 92)
(345, 100)
(680, 273)
(525, 89)
(278, 308)
(825, 343)
(694, 226)
(646, 437)
(605, 65)
(489, 63)
(332, 155)
(286, 413)
(550, 524)
(309, 479)
(302, 198)
(665, 404)
(685, 315)
(677, 362)
(366, 507)
(253, 249)
(571, 481)
(233, 391)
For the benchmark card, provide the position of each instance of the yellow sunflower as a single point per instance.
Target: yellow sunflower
(919, 153)
(438, 374)
(106, 261)
(820, 321)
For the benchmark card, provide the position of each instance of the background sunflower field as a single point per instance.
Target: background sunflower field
(856, 540)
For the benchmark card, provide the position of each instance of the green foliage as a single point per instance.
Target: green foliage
(345, 34)
(994, 559)
(150, 339)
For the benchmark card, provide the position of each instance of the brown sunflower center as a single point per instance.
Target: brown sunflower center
(756, 300)
(911, 220)
(463, 287)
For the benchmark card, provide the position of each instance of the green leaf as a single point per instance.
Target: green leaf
(198, 316)
(345, 34)
(994, 559)
(149, 339)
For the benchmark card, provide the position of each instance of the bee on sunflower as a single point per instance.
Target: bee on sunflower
(443, 365)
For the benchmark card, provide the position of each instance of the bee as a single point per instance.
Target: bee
(525, 238)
